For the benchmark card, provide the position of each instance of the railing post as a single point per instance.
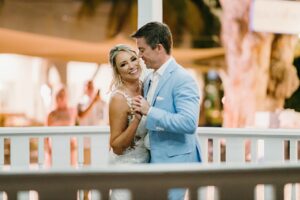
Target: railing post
(203, 141)
(235, 150)
(217, 150)
(41, 152)
(1, 152)
(61, 151)
(293, 158)
(99, 149)
(273, 150)
(293, 150)
(254, 150)
(19, 151)
(80, 150)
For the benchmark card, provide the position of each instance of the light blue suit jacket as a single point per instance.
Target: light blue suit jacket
(173, 118)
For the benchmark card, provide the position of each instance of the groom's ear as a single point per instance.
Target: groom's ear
(159, 47)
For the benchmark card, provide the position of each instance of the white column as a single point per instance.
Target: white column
(149, 10)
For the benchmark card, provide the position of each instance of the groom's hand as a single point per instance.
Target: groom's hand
(140, 105)
(138, 115)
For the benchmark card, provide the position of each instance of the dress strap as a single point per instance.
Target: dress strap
(127, 97)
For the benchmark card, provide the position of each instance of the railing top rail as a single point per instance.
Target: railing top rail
(151, 179)
(247, 132)
(159, 168)
(156, 176)
(59, 130)
(201, 131)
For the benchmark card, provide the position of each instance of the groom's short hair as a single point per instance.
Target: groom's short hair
(156, 33)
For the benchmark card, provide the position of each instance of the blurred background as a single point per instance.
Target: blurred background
(246, 78)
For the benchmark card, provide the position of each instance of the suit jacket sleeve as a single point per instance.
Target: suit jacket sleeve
(183, 118)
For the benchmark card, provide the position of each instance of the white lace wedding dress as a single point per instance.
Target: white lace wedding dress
(138, 153)
(133, 155)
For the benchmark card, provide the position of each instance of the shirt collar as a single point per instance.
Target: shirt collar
(162, 68)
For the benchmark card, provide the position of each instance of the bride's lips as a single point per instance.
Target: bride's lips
(133, 71)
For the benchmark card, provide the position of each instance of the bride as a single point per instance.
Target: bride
(126, 136)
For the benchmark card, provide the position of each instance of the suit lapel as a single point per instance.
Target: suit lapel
(162, 81)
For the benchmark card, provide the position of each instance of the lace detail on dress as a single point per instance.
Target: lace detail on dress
(129, 103)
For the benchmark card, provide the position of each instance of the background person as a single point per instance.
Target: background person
(61, 115)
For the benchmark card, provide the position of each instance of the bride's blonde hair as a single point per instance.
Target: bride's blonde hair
(117, 81)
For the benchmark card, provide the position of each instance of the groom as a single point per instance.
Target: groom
(171, 104)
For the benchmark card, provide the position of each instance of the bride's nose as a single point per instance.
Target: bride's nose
(131, 65)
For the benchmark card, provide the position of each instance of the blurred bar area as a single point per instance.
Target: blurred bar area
(69, 45)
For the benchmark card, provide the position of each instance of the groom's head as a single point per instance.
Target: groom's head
(154, 41)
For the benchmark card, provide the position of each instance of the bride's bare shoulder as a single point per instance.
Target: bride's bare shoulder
(118, 99)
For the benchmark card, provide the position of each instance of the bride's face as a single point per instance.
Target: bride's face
(128, 65)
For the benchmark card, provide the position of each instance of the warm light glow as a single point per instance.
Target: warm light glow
(17, 79)
(1, 95)
(54, 78)
(103, 80)
(77, 74)
(45, 93)
(10, 66)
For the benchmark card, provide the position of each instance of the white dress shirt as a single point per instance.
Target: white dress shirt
(155, 77)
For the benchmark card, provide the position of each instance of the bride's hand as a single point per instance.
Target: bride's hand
(140, 105)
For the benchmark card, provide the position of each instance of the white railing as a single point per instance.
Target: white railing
(233, 181)
(267, 149)
(60, 139)
(261, 145)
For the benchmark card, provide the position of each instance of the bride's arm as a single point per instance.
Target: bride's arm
(121, 134)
